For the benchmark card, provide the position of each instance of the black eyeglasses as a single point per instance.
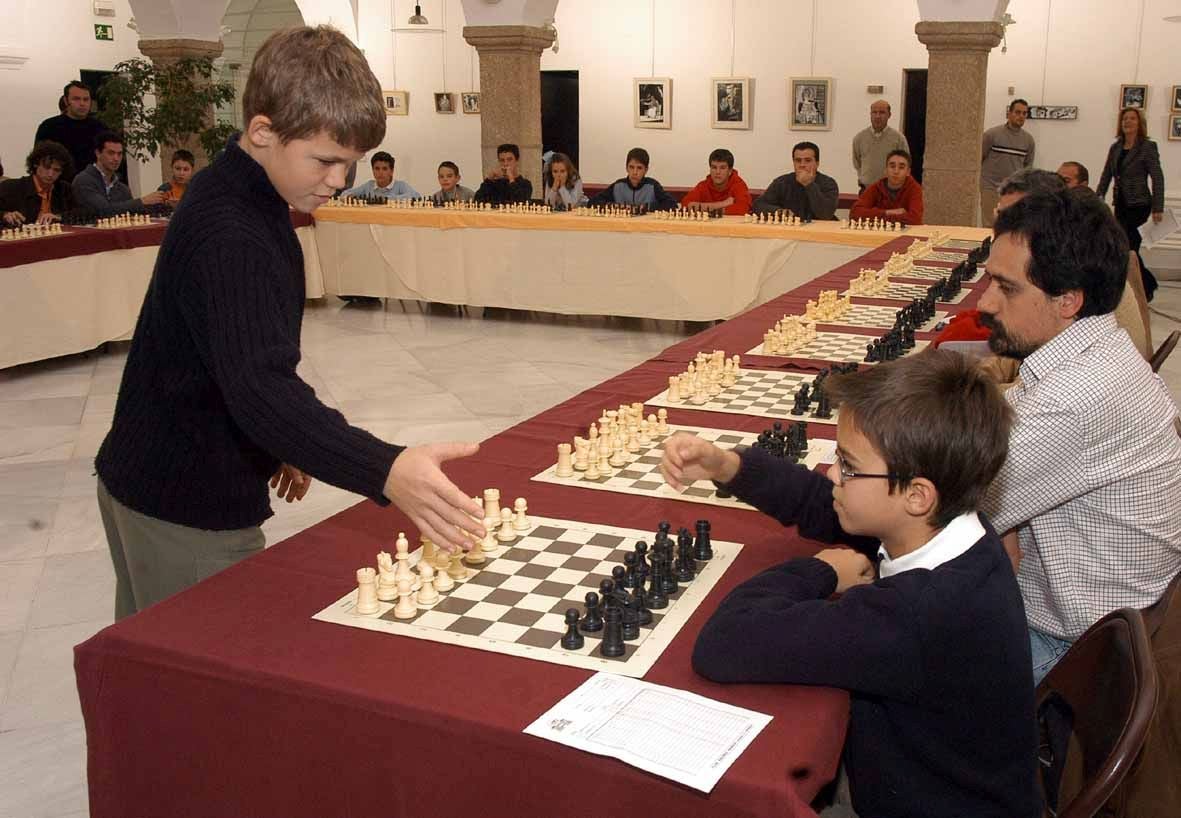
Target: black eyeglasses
(848, 474)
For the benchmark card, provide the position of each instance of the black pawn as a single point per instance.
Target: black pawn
(612, 644)
(607, 593)
(629, 563)
(641, 558)
(573, 639)
(619, 576)
(593, 621)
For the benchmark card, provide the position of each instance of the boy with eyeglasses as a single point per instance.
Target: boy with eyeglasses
(932, 646)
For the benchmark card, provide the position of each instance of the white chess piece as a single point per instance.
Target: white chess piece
(387, 584)
(491, 545)
(475, 556)
(520, 518)
(492, 503)
(428, 594)
(405, 609)
(506, 533)
(662, 421)
(402, 555)
(443, 580)
(565, 464)
(367, 603)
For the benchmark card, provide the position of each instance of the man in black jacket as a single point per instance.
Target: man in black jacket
(806, 192)
(74, 128)
(42, 196)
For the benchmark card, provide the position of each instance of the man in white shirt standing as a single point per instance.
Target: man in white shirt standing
(872, 146)
(1092, 483)
(382, 184)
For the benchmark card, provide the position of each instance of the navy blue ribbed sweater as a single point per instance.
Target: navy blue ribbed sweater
(937, 662)
(210, 402)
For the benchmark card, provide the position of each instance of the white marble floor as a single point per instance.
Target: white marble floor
(406, 374)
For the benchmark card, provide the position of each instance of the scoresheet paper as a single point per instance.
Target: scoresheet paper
(672, 733)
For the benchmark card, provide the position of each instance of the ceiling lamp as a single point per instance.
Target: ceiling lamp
(417, 19)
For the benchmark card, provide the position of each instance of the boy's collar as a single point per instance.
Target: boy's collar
(956, 537)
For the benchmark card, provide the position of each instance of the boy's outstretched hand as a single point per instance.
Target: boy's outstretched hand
(852, 567)
(292, 484)
(416, 484)
(687, 458)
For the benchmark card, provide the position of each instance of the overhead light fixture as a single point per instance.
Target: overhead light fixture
(417, 19)
(1006, 21)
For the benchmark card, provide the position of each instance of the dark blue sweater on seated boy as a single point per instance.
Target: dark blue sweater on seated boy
(937, 661)
(649, 192)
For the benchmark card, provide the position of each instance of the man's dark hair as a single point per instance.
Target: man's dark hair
(75, 84)
(1032, 180)
(899, 152)
(184, 156)
(449, 164)
(807, 146)
(933, 415)
(1084, 176)
(1018, 101)
(381, 156)
(722, 155)
(1074, 244)
(638, 154)
(103, 137)
(49, 151)
(509, 147)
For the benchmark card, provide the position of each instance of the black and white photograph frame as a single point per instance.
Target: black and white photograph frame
(397, 103)
(731, 102)
(1175, 127)
(1053, 112)
(809, 102)
(1133, 96)
(652, 102)
(470, 101)
(444, 102)
(1176, 99)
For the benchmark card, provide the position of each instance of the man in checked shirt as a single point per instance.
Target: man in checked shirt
(1092, 483)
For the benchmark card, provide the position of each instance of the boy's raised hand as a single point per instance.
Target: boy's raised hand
(852, 568)
(416, 484)
(687, 458)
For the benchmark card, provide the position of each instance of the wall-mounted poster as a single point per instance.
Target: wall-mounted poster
(444, 102)
(1133, 96)
(810, 103)
(470, 101)
(1175, 127)
(730, 102)
(397, 103)
(1176, 97)
(1053, 112)
(652, 102)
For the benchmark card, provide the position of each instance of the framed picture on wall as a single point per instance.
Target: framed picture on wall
(470, 101)
(1175, 127)
(810, 103)
(1176, 98)
(397, 103)
(1053, 112)
(652, 101)
(730, 102)
(444, 102)
(1133, 96)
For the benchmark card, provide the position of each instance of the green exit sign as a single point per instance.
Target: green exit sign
(103, 32)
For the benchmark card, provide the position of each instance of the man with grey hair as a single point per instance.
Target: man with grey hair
(872, 146)
(1006, 149)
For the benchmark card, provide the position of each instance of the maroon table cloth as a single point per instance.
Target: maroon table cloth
(228, 699)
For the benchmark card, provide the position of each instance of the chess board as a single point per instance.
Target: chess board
(642, 474)
(757, 392)
(936, 255)
(836, 347)
(909, 292)
(938, 273)
(515, 602)
(958, 244)
(870, 315)
(15, 234)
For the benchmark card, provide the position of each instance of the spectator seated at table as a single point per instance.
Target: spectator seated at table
(42, 196)
(182, 165)
(450, 190)
(806, 192)
(563, 186)
(723, 189)
(933, 650)
(98, 187)
(382, 185)
(896, 197)
(637, 188)
(1092, 484)
(504, 183)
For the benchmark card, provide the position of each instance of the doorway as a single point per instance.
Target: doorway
(95, 80)
(559, 113)
(914, 117)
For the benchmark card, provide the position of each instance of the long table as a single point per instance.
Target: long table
(228, 699)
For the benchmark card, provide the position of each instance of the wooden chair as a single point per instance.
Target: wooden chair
(1164, 350)
(1136, 283)
(1094, 710)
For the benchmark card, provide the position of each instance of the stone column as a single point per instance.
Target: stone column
(956, 79)
(510, 92)
(170, 52)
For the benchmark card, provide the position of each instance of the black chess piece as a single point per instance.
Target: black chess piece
(619, 577)
(684, 566)
(657, 598)
(823, 407)
(668, 575)
(631, 621)
(629, 563)
(869, 352)
(640, 599)
(607, 594)
(702, 549)
(641, 559)
(592, 621)
(612, 643)
(573, 639)
(800, 404)
(664, 527)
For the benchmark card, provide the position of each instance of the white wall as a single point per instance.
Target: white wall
(58, 38)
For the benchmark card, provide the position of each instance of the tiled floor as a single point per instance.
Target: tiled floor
(405, 374)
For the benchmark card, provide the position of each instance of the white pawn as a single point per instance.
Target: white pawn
(443, 580)
(428, 594)
(405, 609)
(490, 545)
(476, 555)
(662, 421)
(367, 603)
(520, 518)
(506, 533)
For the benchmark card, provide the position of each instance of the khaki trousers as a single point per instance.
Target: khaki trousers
(155, 559)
